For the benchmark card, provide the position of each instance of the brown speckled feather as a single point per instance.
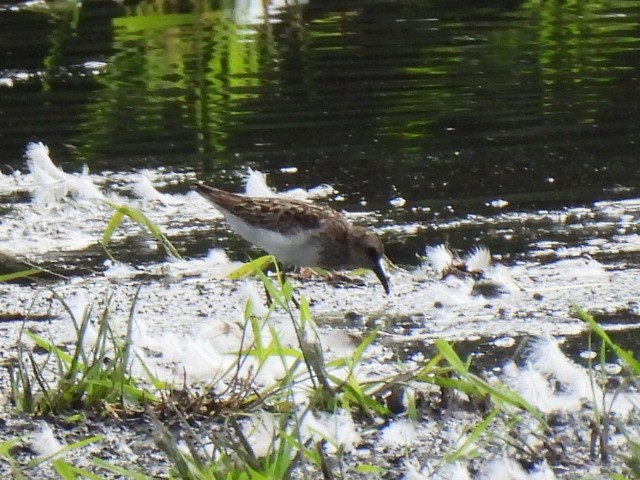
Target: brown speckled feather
(279, 214)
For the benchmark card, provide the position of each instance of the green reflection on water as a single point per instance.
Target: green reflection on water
(187, 82)
(175, 77)
(578, 44)
(566, 52)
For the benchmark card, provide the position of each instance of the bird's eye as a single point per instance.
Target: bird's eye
(372, 253)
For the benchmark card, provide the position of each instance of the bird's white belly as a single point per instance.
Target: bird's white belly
(298, 249)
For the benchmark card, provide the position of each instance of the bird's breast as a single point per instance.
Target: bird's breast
(299, 247)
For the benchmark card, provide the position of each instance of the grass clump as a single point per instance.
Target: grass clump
(92, 373)
(326, 388)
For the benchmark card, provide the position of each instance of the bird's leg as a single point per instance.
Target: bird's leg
(269, 299)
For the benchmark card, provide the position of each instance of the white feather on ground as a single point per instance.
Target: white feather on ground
(44, 443)
(478, 259)
(399, 433)
(439, 258)
(550, 381)
(52, 184)
(144, 189)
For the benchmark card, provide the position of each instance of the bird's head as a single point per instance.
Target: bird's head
(367, 251)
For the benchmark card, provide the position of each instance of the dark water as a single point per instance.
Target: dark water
(448, 104)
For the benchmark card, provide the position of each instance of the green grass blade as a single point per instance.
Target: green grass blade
(142, 220)
(71, 472)
(49, 347)
(128, 341)
(7, 445)
(475, 434)
(359, 351)
(158, 384)
(370, 469)
(304, 311)
(120, 471)
(471, 383)
(249, 269)
(7, 277)
(112, 226)
(5, 454)
(276, 296)
(622, 354)
(447, 351)
(130, 391)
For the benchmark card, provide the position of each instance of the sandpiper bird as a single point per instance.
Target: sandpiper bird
(299, 233)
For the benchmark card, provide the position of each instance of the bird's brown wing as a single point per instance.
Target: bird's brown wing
(283, 215)
(275, 213)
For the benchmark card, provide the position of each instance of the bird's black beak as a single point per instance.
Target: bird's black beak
(378, 269)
